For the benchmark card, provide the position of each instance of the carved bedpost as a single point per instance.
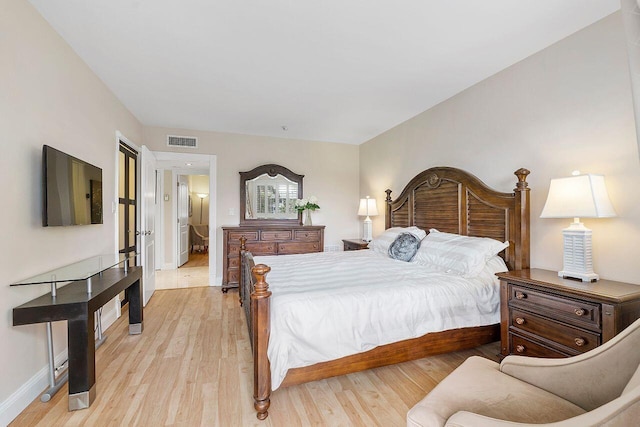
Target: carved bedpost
(523, 251)
(260, 317)
(243, 248)
(387, 218)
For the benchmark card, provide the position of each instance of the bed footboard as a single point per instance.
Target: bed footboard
(255, 298)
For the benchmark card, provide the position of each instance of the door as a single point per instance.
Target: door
(147, 223)
(183, 220)
(127, 204)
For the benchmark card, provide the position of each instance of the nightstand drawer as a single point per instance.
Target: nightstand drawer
(573, 311)
(524, 347)
(574, 339)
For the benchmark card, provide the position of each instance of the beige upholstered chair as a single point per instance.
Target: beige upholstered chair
(597, 388)
(199, 236)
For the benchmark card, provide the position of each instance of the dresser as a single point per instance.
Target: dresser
(266, 240)
(543, 315)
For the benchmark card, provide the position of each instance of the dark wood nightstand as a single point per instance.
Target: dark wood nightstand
(355, 244)
(544, 315)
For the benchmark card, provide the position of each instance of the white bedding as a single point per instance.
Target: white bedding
(333, 304)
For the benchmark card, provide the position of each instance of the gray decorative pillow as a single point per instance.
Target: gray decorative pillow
(404, 247)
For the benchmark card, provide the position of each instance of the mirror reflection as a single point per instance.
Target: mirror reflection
(271, 197)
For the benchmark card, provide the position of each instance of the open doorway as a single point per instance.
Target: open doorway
(184, 260)
(193, 221)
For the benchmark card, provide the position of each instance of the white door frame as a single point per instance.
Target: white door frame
(204, 164)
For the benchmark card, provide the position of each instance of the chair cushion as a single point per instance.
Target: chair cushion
(478, 386)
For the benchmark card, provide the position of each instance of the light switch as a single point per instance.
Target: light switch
(166, 197)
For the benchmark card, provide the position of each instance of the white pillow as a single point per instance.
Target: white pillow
(460, 255)
(382, 242)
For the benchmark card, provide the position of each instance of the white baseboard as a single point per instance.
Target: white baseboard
(32, 389)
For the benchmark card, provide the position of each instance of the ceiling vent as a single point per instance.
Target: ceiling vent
(182, 141)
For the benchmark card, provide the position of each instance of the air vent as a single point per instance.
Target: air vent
(182, 141)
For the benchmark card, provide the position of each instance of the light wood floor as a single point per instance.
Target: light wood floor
(197, 259)
(192, 366)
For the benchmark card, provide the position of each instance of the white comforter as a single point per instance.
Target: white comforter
(333, 304)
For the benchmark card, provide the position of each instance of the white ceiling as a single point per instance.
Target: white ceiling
(329, 70)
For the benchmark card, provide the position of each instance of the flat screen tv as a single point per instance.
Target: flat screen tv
(72, 190)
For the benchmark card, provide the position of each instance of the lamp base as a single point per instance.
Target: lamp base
(585, 277)
(578, 261)
(366, 232)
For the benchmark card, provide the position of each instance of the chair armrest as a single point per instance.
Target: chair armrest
(588, 380)
(623, 411)
(197, 233)
(469, 419)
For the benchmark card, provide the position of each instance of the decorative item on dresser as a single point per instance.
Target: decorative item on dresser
(266, 240)
(354, 244)
(544, 315)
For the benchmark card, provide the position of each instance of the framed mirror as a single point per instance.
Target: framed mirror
(268, 195)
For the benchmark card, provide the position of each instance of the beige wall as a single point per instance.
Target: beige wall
(568, 107)
(48, 96)
(330, 170)
(199, 184)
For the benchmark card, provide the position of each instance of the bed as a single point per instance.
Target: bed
(447, 200)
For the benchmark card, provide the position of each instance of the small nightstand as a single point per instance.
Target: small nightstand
(355, 244)
(544, 315)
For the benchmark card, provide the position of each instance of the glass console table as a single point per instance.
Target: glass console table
(78, 271)
(65, 301)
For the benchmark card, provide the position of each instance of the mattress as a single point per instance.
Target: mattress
(328, 305)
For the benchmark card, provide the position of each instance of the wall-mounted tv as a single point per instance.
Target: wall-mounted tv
(72, 190)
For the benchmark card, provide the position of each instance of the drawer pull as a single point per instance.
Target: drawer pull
(579, 311)
(520, 320)
(580, 341)
(520, 295)
(520, 348)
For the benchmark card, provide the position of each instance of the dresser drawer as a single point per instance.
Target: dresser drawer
(577, 340)
(306, 235)
(297, 248)
(272, 235)
(572, 311)
(256, 248)
(234, 236)
(234, 262)
(233, 276)
(524, 347)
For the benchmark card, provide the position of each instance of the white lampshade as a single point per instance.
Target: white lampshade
(574, 197)
(368, 207)
(581, 196)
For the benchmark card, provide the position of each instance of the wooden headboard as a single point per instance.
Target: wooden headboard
(455, 201)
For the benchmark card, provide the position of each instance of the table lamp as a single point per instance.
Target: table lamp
(367, 208)
(575, 197)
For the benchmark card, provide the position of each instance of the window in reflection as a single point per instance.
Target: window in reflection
(271, 198)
